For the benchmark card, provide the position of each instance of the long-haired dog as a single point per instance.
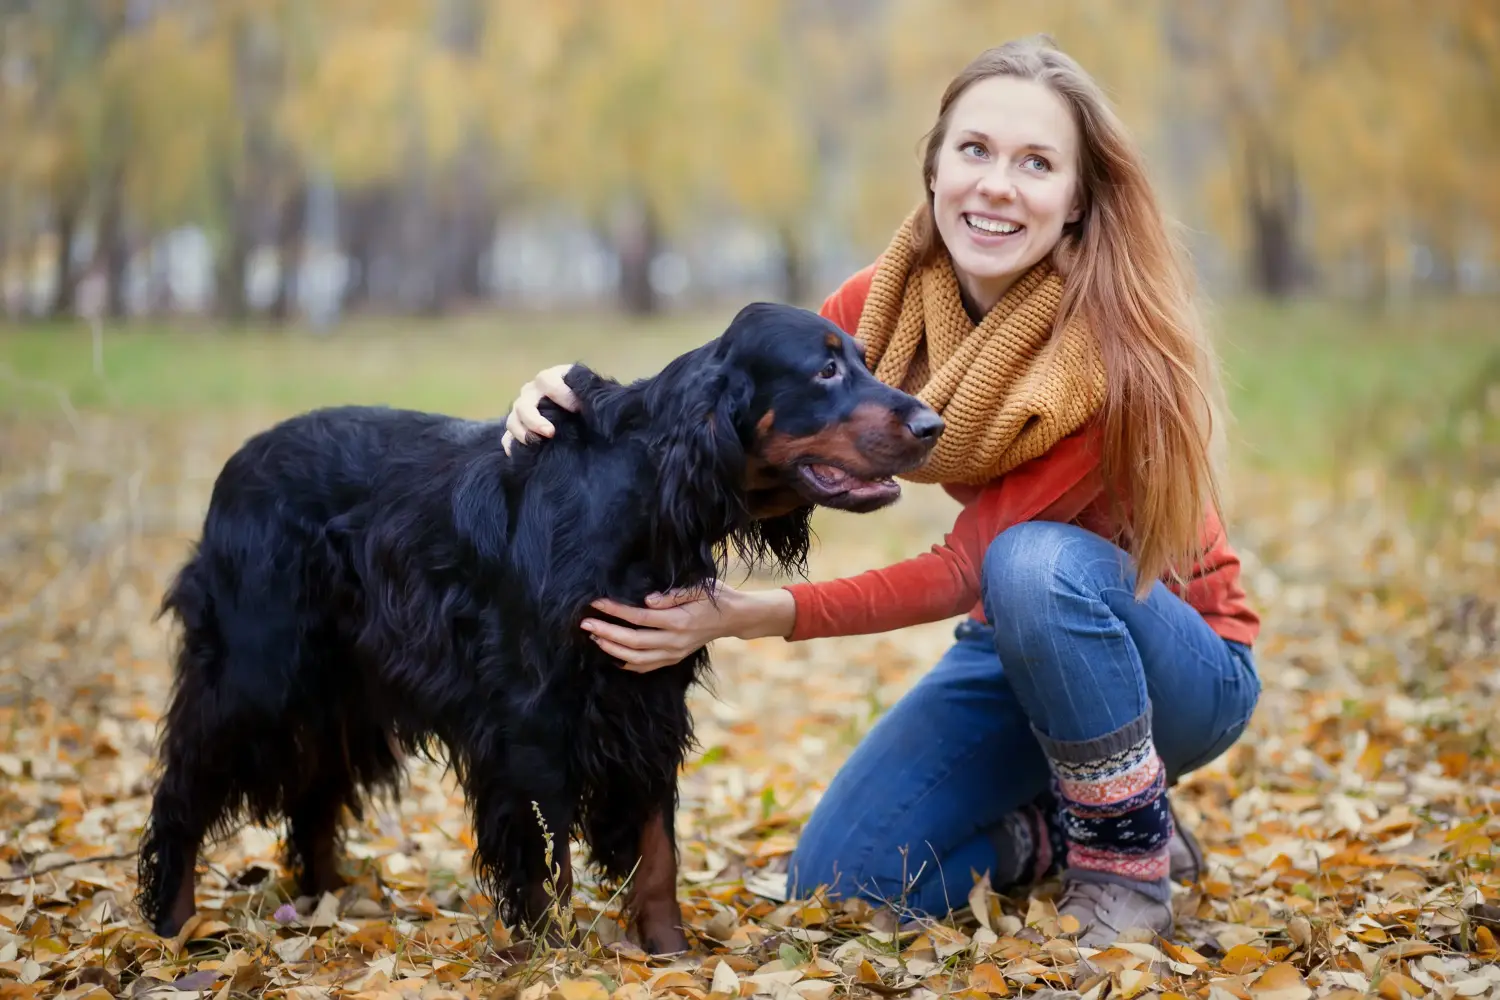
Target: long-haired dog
(372, 582)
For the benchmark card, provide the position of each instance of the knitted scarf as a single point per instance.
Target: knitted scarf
(1007, 389)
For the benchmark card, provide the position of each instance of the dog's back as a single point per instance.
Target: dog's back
(270, 574)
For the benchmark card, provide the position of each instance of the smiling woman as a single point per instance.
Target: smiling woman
(1004, 184)
(1034, 300)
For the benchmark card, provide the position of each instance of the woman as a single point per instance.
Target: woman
(1035, 300)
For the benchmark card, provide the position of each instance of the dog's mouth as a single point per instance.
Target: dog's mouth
(833, 486)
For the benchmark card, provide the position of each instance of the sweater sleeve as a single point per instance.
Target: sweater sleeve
(844, 306)
(944, 581)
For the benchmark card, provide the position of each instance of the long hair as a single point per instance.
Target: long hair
(1124, 275)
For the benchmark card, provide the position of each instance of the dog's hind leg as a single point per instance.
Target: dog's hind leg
(652, 905)
(353, 754)
(190, 800)
(313, 827)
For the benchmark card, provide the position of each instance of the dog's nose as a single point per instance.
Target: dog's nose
(924, 423)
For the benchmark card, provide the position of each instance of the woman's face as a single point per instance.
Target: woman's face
(1006, 182)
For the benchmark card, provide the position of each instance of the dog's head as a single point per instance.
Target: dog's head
(775, 417)
(826, 432)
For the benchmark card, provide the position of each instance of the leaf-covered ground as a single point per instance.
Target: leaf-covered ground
(1351, 834)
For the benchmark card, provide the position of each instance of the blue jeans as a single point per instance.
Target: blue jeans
(1070, 651)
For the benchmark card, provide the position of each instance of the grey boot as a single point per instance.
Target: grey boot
(1106, 910)
(1185, 852)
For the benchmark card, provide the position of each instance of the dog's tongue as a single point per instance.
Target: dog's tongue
(830, 475)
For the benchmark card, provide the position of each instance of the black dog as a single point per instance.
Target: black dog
(372, 582)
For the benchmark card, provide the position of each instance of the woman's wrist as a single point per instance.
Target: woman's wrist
(762, 613)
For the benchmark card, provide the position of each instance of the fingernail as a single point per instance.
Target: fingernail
(587, 625)
(654, 598)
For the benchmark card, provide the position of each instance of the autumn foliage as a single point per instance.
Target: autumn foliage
(1327, 144)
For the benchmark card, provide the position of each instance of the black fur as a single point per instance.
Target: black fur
(373, 582)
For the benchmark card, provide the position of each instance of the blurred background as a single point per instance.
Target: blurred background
(214, 213)
(287, 160)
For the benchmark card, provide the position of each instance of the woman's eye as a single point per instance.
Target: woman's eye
(972, 148)
(1037, 163)
(829, 370)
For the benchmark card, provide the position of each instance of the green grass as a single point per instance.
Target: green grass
(1309, 383)
(471, 366)
(1313, 385)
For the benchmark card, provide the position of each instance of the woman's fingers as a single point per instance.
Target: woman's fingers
(550, 382)
(644, 617)
(676, 598)
(525, 417)
(638, 660)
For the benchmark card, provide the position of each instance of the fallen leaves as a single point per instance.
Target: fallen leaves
(1351, 834)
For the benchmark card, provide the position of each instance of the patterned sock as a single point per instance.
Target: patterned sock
(1115, 811)
(1029, 844)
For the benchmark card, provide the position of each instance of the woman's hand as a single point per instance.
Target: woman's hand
(676, 624)
(525, 418)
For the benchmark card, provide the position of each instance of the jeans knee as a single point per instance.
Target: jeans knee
(1041, 578)
(1030, 560)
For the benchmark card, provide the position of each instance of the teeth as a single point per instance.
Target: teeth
(992, 225)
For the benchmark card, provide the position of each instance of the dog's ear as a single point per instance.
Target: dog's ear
(700, 498)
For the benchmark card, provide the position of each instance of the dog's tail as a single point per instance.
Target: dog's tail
(245, 604)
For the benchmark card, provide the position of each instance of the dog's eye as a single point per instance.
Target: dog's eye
(830, 370)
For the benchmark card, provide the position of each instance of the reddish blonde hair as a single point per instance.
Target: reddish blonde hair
(1124, 275)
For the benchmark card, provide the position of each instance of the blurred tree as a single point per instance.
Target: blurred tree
(1300, 135)
(650, 117)
(1325, 109)
(57, 156)
(392, 111)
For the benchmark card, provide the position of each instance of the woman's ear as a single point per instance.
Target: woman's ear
(1077, 211)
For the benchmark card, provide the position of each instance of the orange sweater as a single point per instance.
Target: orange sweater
(1062, 485)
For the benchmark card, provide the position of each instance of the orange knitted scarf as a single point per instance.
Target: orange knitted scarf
(1007, 388)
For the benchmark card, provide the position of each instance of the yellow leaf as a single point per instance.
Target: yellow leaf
(1395, 986)
(580, 989)
(1242, 958)
(1182, 953)
(666, 981)
(986, 978)
(1280, 982)
(1069, 924)
(1133, 981)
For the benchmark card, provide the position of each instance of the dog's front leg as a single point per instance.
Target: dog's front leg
(655, 916)
(522, 855)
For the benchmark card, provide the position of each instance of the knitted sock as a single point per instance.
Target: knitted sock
(1029, 844)
(1115, 811)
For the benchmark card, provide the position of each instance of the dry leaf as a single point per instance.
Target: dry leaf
(1280, 982)
(580, 989)
(986, 978)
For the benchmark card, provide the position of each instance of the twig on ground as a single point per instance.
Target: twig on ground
(67, 864)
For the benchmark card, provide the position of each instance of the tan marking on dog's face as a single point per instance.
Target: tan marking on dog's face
(838, 444)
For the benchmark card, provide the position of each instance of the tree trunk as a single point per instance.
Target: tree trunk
(64, 295)
(112, 244)
(1271, 204)
(291, 232)
(793, 276)
(636, 244)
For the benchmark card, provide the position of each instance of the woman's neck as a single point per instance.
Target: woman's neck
(981, 295)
